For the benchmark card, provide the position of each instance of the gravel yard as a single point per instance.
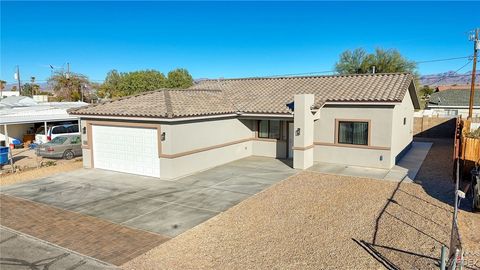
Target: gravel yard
(319, 221)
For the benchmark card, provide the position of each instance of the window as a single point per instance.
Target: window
(353, 132)
(404, 121)
(72, 129)
(59, 130)
(269, 129)
(263, 129)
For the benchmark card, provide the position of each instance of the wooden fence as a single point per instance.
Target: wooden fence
(434, 127)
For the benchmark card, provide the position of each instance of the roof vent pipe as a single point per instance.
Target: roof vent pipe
(373, 70)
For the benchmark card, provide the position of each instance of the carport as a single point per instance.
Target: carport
(19, 120)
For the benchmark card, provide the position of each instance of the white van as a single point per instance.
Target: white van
(55, 131)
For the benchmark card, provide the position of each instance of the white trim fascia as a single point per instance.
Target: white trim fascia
(155, 119)
(72, 118)
(266, 115)
(359, 103)
(455, 107)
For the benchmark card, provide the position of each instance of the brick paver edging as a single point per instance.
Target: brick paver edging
(94, 237)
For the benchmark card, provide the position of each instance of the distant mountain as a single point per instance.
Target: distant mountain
(448, 78)
(43, 86)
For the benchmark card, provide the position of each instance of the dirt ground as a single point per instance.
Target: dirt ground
(29, 166)
(26, 158)
(32, 174)
(436, 178)
(319, 221)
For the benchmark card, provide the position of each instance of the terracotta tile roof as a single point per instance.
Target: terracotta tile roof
(164, 103)
(255, 95)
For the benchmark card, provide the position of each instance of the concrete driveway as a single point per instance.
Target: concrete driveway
(21, 251)
(163, 207)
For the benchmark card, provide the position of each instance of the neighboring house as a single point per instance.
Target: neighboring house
(453, 103)
(20, 116)
(454, 87)
(364, 120)
(5, 94)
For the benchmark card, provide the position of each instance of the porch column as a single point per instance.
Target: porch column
(303, 131)
(10, 151)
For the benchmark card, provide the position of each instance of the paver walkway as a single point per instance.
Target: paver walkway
(100, 239)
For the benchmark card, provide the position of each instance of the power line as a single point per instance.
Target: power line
(441, 60)
(446, 76)
(334, 71)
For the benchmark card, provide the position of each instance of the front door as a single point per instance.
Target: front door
(290, 140)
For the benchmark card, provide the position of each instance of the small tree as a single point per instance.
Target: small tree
(29, 89)
(179, 78)
(352, 62)
(384, 61)
(110, 87)
(140, 81)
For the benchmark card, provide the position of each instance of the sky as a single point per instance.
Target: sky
(226, 39)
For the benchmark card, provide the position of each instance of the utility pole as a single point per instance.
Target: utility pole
(17, 77)
(476, 46)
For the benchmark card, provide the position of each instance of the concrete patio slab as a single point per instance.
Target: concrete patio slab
(122, 209)
(20, 251)
(406, 169)
(347, 170)
(413, 160)
(243, 184)
(171, 220)
(214, 199)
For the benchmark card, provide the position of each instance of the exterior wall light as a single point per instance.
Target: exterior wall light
(297, 132)
(163, 136)
(84, 130)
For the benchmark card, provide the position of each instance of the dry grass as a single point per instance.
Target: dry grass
(318, 221)
(32, 174)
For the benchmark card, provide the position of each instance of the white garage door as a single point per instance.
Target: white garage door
(125, 149)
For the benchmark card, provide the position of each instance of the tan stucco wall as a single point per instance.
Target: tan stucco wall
(402, 135)
(353, 156)
(87, 158)
(194, 146)
(192, 136)
(185, 165)
(275, 149)
(380, 131)
(183, 137)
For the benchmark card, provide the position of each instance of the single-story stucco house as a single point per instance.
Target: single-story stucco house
(363, 120)
(454, 102)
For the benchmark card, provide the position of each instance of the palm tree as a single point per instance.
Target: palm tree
(68, 87)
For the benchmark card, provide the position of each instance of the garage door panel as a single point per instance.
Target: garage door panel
(126, 149)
